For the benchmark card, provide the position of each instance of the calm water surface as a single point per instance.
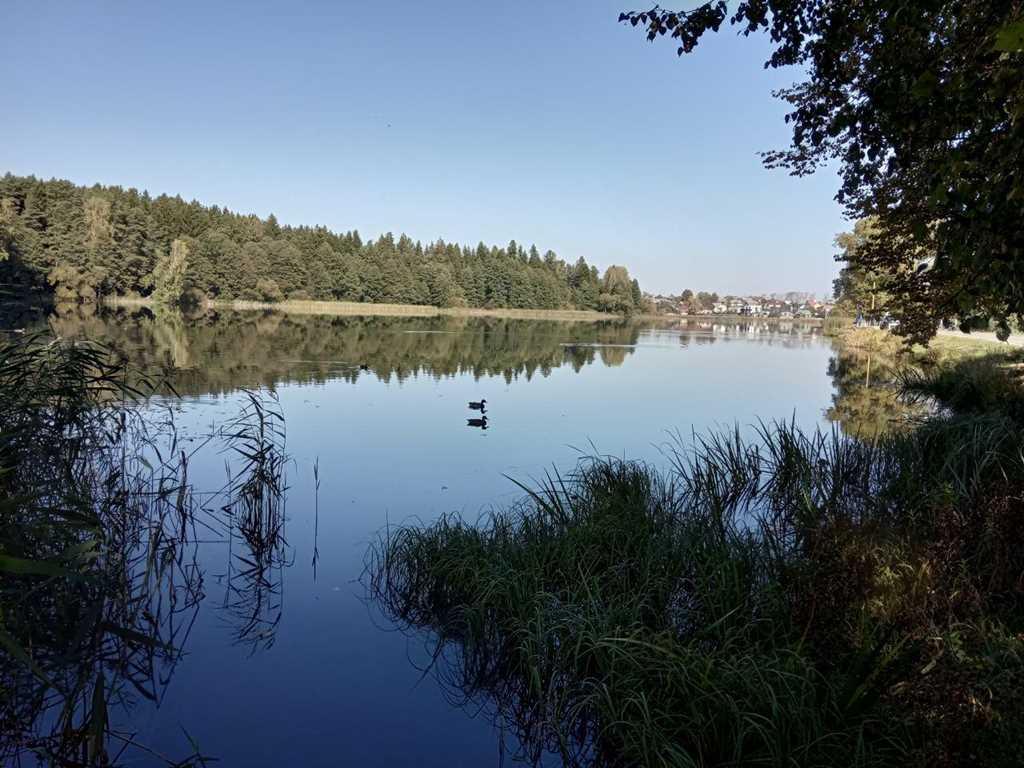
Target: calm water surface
(381, 405)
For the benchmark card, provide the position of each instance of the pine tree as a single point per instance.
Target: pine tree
(85, 241)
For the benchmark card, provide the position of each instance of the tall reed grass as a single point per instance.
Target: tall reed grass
(99, 529)
(255, 496)
(786, 600)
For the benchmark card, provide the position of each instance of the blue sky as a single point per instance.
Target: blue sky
(547, 122)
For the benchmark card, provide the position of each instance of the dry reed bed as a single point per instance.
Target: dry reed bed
(346, 308)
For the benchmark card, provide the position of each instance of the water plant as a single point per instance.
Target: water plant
(98, 587)
(255, 512)
(782, 600)
(99, 533)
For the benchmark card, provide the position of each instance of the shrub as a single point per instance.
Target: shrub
(268, 290)
(193, 297)
(986, 384)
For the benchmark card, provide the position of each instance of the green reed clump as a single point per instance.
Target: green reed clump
(255, 510)
(794, 600)
(97, 581)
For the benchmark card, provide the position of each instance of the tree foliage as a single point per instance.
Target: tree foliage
(922, 106)
(72, 284)
(118, 241)
(169, 275)
(98, 228)
(861, 289)
(267, 289)
(8, 217)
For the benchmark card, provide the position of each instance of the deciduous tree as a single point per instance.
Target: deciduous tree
(921, 104)
(169, 275)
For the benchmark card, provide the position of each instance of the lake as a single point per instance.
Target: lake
(312, 675)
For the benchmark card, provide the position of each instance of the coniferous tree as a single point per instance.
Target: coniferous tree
(82, 242)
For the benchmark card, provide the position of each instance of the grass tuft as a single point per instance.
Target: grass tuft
(789, 600)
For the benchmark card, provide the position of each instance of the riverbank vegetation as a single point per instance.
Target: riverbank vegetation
(85, 242)
(99, 533)
(781, 600)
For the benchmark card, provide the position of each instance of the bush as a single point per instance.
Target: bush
(987, 384)
(193, 297)
(268, 290)
(72, 285)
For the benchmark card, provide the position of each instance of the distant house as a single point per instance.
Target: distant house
(720, 308)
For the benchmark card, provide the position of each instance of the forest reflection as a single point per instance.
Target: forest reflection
(221, 352)
(218, 352)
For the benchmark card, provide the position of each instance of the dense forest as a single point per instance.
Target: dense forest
(85, 242)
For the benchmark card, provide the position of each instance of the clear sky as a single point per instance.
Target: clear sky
(547, 122)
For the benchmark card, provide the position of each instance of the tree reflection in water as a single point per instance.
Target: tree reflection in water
(867, 402)
(217, 353)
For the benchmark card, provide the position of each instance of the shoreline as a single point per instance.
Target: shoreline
(355, 309)
(733, 318)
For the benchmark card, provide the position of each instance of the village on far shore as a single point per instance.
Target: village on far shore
(785, 306)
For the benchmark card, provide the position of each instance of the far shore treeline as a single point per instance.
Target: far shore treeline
(83, 243)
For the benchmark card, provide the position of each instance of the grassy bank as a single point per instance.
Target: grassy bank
(346, 308)
(792, 600)
(944, 348)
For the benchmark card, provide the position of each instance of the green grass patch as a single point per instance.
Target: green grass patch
(792, 600)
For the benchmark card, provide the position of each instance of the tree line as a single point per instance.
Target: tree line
(690, 302)
(85, 242)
